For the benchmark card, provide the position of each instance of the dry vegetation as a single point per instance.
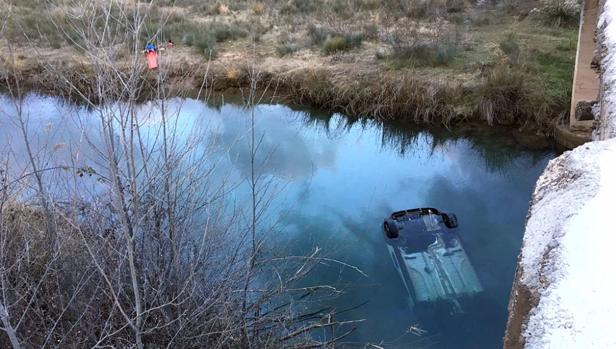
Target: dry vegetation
(127, 241)
(426, 60)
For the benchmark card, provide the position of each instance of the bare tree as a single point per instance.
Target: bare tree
(144, 249)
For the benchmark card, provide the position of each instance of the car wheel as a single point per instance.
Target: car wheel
(450, 220)
(391, 230)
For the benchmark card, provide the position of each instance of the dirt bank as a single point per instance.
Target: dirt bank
(355, 88)
(446, 64)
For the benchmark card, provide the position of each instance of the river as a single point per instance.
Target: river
(334, 180)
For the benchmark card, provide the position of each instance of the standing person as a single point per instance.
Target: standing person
(170, 44)
(151, 55)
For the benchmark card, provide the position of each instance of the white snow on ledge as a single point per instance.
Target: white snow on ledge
(607, 28)
(568, 258)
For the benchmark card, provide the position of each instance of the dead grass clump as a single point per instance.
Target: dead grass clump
(287, 47)
(433, 9)
(340, 43)
(227, 32)
(508, 95)
(233, 74)
(422, 54)
(297, 7)
(318, 34)
(561, 13)
(258, 8)
(372, 95)
(511, 47)
(331, 41)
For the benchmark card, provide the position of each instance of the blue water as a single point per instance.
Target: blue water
(333, 181)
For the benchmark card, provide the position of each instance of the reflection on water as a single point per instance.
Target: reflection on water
(341, 178)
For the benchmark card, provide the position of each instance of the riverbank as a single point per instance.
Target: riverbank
(448, 66)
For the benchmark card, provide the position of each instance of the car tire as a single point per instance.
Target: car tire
(450, 220)
(390, 229)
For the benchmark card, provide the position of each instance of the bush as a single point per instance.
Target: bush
(430, 9)
(371, 31)
(426, 9)
(339, 43)
(445, 53)
(559, 12)
(287, 47)
(293, 7)
(457, 18)
(258, 8)
(510, 96)
(341, 8)
(331, 41)
(318, 34)
(202, 42)
(482, 18)
(335, 44)
(368, 5)
(424, 53)
(510, 47)
(455, 6)
(225, 32)
(206, 45)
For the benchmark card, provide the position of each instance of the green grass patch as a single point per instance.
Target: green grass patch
(429, 54)
(558, 69)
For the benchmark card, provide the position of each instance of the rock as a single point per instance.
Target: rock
(595, 64)
(584, 110)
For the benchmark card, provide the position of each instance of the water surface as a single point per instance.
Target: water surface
(335, 181)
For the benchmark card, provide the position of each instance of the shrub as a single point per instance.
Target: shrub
(293, 7)
(318, 34)
(339, 43)
(258, 8)
(455, 6)
(429, 9)
(559, 12)
(509, 45)
(457, 18)
(445, 53)
(482, 18)
(206, 44)
(424, 53)
(368, 5)
(371, 31)
(233, 74)
(354, 39)
(225, 32)
(509, 95)
(183, 31)
(219, 9)
(341, 8)
(287, 47)
(335, 44)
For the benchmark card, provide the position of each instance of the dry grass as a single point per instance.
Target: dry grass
(429, 41)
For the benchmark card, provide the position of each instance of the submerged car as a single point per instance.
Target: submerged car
(427, 253)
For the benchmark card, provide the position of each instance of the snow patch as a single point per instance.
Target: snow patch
(569, 249)
(607, 36)
(568, 254)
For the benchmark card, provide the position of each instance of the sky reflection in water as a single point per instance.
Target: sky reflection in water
(340, 180)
